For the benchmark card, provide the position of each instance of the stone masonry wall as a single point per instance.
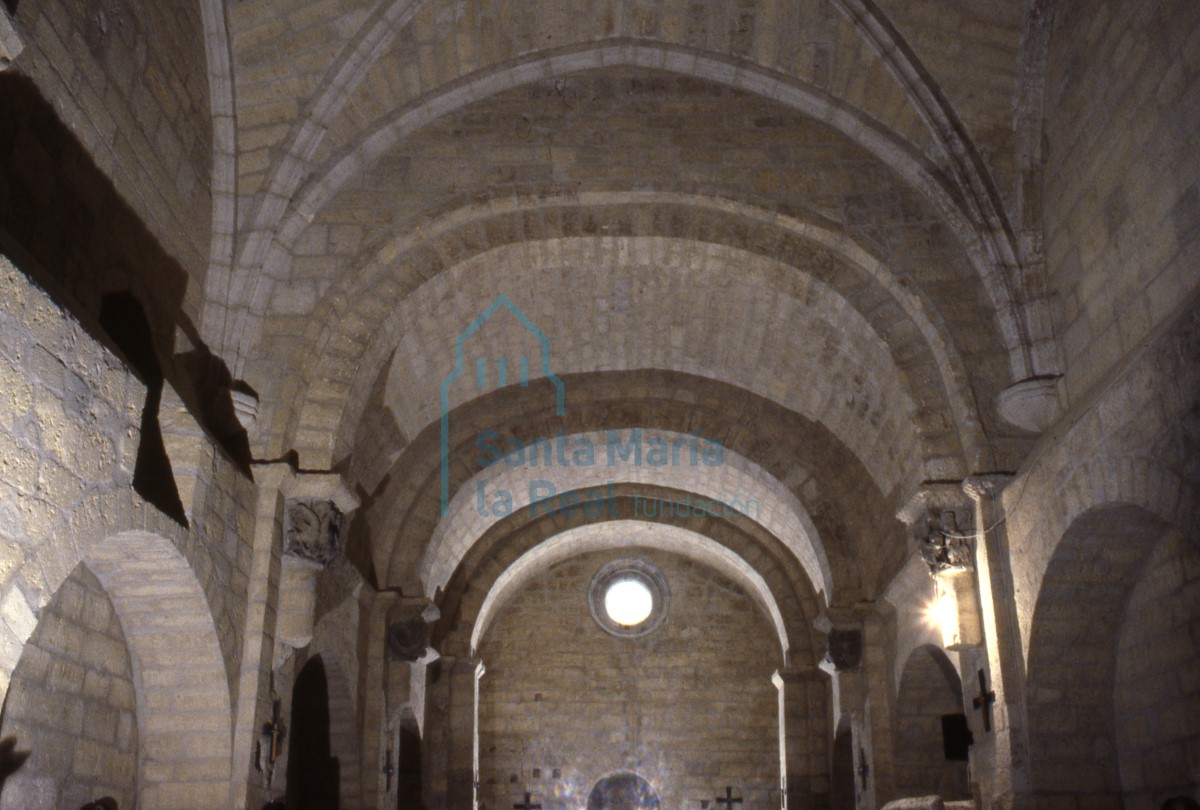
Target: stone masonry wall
(70, 414)
(690, 707)
(130, 79)
(1122, 190)
(72, 704)
(1158, 678)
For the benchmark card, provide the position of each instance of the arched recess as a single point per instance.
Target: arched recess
(736, 482)
(409, 774)
(622, 791)
(1072, 663)
(503, 546)
(184, 717)
(344, 742)
(313, 776)
(929, 688)
(177, 672)
(834, 487)
(1157, 691)
(628, 534)
(640, 697)
(843, 791)
(72, 704)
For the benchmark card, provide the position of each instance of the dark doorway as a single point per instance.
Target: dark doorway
(312, 775)
(408, 765)
(843, 771)
(622, 791)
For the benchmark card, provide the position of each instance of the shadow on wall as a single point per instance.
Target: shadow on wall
(11, 759)
(312, 774)
(125, 321)
(63, 223)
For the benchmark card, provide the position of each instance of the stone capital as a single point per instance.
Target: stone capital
(989, 485)
(933, 497)
(10, 41)
(306, 486)
(408, 634)
(797, 675)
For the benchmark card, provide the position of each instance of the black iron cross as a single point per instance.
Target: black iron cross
(527, 804)
(729, 800)
(388, 769)
(864, 770)
(984, 702)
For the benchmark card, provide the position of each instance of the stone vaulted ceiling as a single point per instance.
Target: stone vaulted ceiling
(796, 228)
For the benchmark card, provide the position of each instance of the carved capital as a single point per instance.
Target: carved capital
(843, 629)
(940, 520)
(843, 649)
(312, 530)
(408, 633)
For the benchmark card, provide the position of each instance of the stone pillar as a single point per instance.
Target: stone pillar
(316, 506)
(372, 705)
(805, 735)
(10, 42)
(254, 777)
(856, 696)
(408, 655)
(252, 764)
(450, 732)
(999, 757)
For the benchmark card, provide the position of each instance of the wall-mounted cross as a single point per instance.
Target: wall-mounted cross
(527, 804)
(389, 770)
(273, 731)
(984, 701)
(864, 770)
(729, 800)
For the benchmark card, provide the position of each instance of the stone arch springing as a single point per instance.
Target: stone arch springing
(185, 745)
(1072, 650)
(930, 687)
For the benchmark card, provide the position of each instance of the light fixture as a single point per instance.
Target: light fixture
(955, 607)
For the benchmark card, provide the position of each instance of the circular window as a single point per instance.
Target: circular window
(628, 597)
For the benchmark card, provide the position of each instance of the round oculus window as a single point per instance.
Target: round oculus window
(628, 597)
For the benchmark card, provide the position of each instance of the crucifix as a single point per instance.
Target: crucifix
(527, 804)
(729, 800)
(984, 702)
(388, 768)
(273, 729)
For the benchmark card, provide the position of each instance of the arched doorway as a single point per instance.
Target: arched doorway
(312, 774)
(930, 690)
(622, 791)
(842, 782)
